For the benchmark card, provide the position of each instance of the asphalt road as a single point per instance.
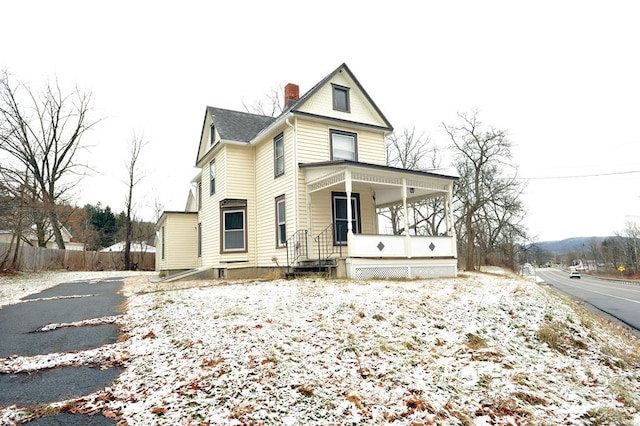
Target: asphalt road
(19, 335)
(620, 301)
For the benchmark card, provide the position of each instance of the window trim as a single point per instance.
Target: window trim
(163, 243)
(355, 197)
(212, 177)
(212, 134)
(278, 200)
(223, 212)
(343, 133)
(336, 88)
(199, 195)
(199, 239)
(276, 159)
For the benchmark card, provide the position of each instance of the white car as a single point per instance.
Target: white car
(574, 274)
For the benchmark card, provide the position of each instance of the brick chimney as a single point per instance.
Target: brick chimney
(291, 94)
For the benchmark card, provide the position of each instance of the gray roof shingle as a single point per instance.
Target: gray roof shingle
(236, 125)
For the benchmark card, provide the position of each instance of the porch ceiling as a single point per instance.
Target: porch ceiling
(386, 182)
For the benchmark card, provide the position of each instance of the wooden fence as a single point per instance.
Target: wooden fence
(43, 259)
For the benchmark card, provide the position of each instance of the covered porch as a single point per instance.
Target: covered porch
(344, 200)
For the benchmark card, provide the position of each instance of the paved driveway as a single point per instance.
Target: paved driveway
(19, 335)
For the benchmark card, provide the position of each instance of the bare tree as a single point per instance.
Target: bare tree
(413, 151)
(487, 192)
(43, 132)
(272, 106)
(134, 177)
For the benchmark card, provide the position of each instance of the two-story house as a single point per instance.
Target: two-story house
(304, 187)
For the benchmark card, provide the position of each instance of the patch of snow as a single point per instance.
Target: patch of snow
(313, 351)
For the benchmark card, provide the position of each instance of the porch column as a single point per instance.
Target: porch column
(448, 211)
(348, 188)
(407, 243)
(404, 206)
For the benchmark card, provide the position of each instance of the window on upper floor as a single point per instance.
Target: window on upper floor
(278, 155)
(340, 98)
(199, 197)
(212, 177)
(344, 145)
(281, 222)
(212, 134)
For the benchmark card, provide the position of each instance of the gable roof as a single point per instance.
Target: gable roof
(236, 125)
(233, 126)
(294, 107)
(240, 126)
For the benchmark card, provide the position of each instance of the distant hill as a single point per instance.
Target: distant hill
(569, 244)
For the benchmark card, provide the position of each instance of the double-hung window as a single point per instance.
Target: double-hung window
(340, 98)
(281, 222)
(212, 177)
(199, 198)
(344, 145)
(278, 155)
(234, 229)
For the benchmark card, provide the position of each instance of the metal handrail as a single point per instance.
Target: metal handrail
(296, 246)
(325, 244)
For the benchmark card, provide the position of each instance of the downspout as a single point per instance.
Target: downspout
(295, 174)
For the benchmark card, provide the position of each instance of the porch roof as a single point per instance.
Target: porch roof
(386, 181)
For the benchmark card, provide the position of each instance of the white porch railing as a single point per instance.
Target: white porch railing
(400, 246)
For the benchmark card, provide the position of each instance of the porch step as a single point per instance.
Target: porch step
(302, 271)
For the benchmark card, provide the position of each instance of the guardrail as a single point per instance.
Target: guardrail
(620, 280)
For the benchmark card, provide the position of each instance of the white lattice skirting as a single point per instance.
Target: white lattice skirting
(363, 269)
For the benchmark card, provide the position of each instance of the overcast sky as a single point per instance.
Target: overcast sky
(562, 77)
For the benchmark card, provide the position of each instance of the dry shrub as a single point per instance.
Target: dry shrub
(530, 398)
(475, 342)
(605, 416)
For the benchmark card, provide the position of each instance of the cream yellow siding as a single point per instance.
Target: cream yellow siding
(239, 170)
(360, 109)
(314, 142)
(268, 188)
(180, 241)
(209, 213)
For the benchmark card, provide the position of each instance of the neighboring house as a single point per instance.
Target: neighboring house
(32, 237)
(136, 247)
(302, 188)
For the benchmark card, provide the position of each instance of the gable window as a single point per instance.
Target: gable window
(199, 239)
(212, 177)
(340, 222)
(344, 145)
(212, 134)
(234, 229)
(340, 98)
(199, 191)
(281, 222)
(278, 155)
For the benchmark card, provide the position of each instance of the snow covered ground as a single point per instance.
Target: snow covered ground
(479, 349)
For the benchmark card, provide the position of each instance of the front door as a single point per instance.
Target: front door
(339, 207)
